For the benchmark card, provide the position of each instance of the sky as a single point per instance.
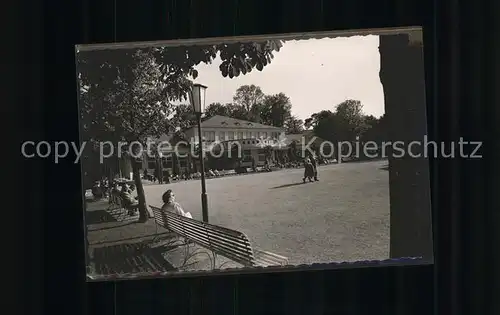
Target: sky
(316, 74)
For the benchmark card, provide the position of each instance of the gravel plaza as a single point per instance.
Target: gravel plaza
(343, 217)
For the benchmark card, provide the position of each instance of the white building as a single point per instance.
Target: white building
(253, 141)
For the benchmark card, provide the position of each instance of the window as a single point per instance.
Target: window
(235, 135)
(264, 134)
(240, 135)
(183, 162)
(252, 135)
(167, 162)
(222, 136)
(230, 135)
(211, 135)
(151, 163)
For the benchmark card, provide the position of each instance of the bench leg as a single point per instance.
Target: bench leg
(188, 255)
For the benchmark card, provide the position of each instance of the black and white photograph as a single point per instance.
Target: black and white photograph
(265, 151)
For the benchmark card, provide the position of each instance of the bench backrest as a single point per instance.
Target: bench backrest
(223, 241)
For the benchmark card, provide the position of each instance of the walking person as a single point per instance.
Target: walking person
(308, 170)
(315, 168)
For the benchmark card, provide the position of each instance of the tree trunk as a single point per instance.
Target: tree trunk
(143, 212)
(175, 164)
(410, 216)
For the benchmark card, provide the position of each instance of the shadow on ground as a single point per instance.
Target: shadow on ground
(111, 227)
(129, 258)
(98, 216)
(287, 185)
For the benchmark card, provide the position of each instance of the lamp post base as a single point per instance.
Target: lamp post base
(204, 207)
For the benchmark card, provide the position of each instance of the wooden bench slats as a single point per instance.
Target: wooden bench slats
(212, 233)
(242, 257)
(212, 238)
(220, 240)
(175, 217)
(243, 252)
(198, 225)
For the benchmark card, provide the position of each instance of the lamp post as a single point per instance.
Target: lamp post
(197, 100)
(159, 166)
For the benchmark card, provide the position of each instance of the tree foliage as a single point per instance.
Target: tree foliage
(129, 92)
(293, 125)
(251, 104)
(346, 123)
(276, 109)
(129, 101)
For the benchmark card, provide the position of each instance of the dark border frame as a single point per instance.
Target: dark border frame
(460, 47)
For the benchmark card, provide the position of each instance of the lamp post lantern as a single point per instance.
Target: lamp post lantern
(197, 100)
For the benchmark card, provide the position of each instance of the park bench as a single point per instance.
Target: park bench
(231, 244)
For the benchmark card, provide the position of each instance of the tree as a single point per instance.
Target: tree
(294, 125)
(184, 117)
(217, 109)
(315, 118)
(126, 95)
(130, 108)
(238, 112)
(350, 113)
(249, 98)
(347, 123)
(376, 129)
(275, 110)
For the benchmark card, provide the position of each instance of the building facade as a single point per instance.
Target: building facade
(226, 137)
(243, 142)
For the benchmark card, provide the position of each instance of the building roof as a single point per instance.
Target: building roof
(298, 137)
(219, 121)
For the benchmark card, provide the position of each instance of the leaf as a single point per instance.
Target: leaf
(194, 74)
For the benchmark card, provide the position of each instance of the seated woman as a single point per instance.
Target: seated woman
(170, 205)
(129, 202)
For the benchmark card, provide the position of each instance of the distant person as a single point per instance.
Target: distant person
(170, 205)
(308, 170)
(145, 174)
(315, 168)
(97, 190)
(115, 192)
